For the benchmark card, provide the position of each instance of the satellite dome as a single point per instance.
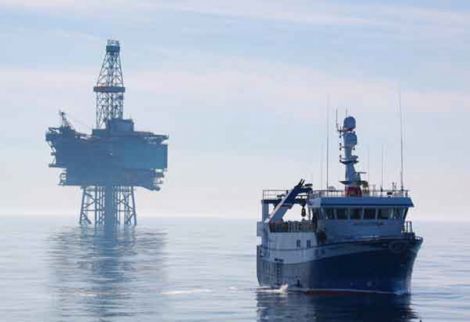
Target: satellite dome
(349, 123)
(350, 139)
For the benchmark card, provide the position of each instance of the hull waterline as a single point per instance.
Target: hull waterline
(384, 266)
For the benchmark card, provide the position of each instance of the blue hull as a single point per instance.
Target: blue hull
(384, 266)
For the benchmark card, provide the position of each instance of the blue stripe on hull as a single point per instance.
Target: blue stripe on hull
(387, 269)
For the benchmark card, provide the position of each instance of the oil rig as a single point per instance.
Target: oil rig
(114, 159)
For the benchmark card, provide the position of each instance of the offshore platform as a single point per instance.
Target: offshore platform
(114, 159)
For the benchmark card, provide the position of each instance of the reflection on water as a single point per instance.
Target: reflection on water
(276, 306)
(107, 274)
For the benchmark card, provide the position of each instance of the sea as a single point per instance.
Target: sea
(200, 269)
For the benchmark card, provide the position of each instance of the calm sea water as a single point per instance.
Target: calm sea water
(199, 270)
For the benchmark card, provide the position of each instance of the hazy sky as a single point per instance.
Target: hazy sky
(241, 89)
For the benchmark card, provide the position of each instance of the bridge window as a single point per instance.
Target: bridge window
(309, 243)
(398, 213)
(405, 211)
(298, 243)
(369, 213)
(355, 213)
(341, 214)
(315, 213)
(385, 213)
(330, 214)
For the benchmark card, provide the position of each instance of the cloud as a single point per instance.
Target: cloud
(404, 19)
(317, 13)
(33, 4)
(224, 83)
(397, 18)
(285, 88)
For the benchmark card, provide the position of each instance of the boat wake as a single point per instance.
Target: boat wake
(186, 292)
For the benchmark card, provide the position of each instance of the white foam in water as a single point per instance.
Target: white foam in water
(281, 290)
(186, 292)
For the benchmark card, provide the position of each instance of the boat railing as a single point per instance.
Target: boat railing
(407, 227)
(365, 193)
(292, 227)
(273, 194)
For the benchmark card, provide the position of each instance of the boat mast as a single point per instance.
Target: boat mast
(401, 140)
(382, 171)
(352, 180)
(327, 140)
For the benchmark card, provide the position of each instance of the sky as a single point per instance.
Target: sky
(241, 87)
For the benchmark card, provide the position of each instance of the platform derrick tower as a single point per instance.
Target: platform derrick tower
(110, 88)
(114, 159)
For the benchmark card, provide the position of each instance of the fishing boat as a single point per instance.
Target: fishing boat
(354, 239)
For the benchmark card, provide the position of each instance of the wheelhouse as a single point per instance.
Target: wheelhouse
(344, 218)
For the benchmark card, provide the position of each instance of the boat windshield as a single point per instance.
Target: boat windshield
(356, 213)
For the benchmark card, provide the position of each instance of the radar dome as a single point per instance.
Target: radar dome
(349, 123)
(350, 139)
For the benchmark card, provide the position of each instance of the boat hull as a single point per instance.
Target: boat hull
(379, 265)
